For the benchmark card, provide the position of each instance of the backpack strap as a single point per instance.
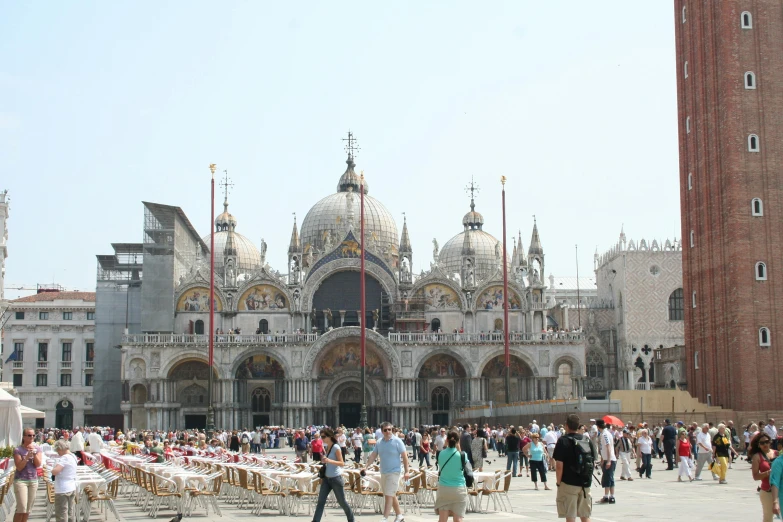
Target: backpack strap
(444, 464)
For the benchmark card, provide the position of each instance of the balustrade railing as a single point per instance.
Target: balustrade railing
(220, 338)
(481, 338)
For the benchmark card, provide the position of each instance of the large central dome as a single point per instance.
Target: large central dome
(332, 214)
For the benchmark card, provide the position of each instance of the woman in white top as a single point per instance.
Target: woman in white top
(645, 445)
(65, 485)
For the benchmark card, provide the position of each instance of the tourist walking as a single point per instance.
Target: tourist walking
(703, 451)
(721, 444)
(669, 437)
(646, 445)
(608, 462)
(761, 455)
(316, 447)
(357, 441)
(478, 447)
(624, 449)
(512, 452)
(390, 450)
(684, 454)
(65, 484)
(331, 481)
(424, 450)
(535, 451)
(27, 460)
(452, 496)
(465, 440)
(573, 487)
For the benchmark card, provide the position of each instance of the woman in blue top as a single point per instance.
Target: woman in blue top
(535, 450)
(333, 460)
(452, 497)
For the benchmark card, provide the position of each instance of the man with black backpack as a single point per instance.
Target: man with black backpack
(575, 461)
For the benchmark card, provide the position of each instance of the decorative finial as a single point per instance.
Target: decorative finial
(226, 183)
(361, 177)
(534, 219)
(350, 146)
(212, 167)
(503, 180)
(473, 188)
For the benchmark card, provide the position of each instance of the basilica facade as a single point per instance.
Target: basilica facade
(287, 344)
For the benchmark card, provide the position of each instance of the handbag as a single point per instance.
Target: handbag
(484, 451)
(465, 473)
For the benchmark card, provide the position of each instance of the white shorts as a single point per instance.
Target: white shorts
(550, 451)
(390, 483)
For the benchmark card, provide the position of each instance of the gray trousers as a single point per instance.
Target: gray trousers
(701, 458)
(64, 506)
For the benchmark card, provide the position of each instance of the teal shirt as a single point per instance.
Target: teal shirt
(451, 473)
(776, 477)
(536, 451)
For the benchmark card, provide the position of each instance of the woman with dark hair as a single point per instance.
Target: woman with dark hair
(331, 481)
(478, 448)
(760, 453)
(233, 445)
(452, 496)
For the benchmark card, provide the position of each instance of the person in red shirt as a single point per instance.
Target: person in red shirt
(317, 447)
(524, 460)
(684, 452)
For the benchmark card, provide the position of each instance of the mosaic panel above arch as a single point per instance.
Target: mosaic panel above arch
(492, 299)
(442, 365)
(260, 367)
(497, 365)
(190, 370)
(347, 357)
(262, 297)
(197, 300)
(439, 297)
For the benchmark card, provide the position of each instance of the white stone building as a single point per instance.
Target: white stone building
(49, 351)
(3, 244)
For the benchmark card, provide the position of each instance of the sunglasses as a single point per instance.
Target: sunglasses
(386, 429)
(764, 442)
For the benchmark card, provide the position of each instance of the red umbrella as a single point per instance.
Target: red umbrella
(614, 421)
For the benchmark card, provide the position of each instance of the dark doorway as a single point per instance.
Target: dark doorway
(261, 420)
(435, 325)
(340, 291)
(263, 326)
(63, 417)
(440, 419)
(199, 327)
(195, 422)
(350, 413)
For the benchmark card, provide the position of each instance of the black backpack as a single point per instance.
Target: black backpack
(583, 464)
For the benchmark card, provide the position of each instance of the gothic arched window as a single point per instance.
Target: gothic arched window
(261, 400)
(440, 399)
(676, 306)
(595, 365)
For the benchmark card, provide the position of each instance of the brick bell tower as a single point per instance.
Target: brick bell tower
(730, 119)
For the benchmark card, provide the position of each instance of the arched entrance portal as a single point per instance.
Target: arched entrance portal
(63, 418)
(349, 404)
(260, 387)
(442, 381)
(440, 406)
(261, 405)
(190, 381)
(523, 384)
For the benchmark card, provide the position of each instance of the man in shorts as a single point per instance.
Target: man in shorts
(573, 499)
(390, 449)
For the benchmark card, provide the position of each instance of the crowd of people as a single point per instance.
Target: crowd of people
(578, 454)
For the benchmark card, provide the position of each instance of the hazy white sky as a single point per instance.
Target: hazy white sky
(106, 104)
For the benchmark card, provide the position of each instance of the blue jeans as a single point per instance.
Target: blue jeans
(332, 484)
(512, 459)
(646, 465)
(607, 477)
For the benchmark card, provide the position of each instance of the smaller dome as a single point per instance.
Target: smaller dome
(351, 179)
(225, 220)
(473, 219)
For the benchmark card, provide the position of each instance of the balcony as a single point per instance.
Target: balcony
(89, 365)
(644, 386)
(484, 338)
(18, 365)
(42, 365)
(66, 365)
(224, 339)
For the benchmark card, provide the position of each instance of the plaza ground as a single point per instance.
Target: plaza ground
(660, 498)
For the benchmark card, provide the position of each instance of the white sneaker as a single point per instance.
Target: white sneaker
(384, 519)
(399, 518)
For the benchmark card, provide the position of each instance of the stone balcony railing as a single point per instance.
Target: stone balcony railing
(66, 365)
(43, 365)
(89, 365)
(18, 365)
(484, 338)
(220, 339)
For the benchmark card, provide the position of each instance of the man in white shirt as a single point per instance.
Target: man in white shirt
(357, 439)
(624, 446)
(704, 449)
(534, 427)
(95, 441)
(256, 441)
(550, 439)
(772, 432)
(77, 445)
(440, 442)
(609, 462)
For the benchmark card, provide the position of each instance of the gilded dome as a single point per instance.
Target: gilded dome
(331, 214)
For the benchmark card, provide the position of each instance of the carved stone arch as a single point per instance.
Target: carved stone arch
(577, 368)
(266, 350)
(469, 368)
(137, 368)
(432, 279)
(186, 355)
(315, 280)
(219, 295)
(335, 386)
(264, 280)
(491, 354)
(349, 332)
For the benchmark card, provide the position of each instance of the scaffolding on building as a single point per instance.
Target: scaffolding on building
(409, 314)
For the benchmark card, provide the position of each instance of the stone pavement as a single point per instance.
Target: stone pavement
(661, 498)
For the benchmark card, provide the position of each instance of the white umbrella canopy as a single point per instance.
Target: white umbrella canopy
(30, 413)
(10, 420)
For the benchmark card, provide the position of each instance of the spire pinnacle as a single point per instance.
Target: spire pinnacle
(293, 246)
(405, 240)
(535, 241)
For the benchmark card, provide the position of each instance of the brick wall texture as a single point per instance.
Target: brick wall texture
(731, 305)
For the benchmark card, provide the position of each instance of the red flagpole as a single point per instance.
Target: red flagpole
(363, 305)
(210, 409)
(505, 300)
